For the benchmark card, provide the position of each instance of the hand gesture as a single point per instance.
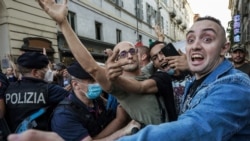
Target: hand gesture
(178, 62)
(113, 68)
(57, 12)
(159, 32)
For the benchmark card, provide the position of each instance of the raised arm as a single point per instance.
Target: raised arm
(58, 12)
(114, 73)
(159, 32)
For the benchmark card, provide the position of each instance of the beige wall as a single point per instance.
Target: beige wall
(24, 18)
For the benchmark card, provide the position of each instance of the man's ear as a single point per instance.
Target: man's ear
(143, 57)
(34, 72)
(225, 48)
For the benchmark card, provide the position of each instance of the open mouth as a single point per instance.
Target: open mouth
(165, 67)
(197, 57)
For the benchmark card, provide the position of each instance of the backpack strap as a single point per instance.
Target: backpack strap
(29, 122)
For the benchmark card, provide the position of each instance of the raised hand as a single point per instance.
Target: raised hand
(159, 33)
(113, 68)
(178, 62)
(57, 12)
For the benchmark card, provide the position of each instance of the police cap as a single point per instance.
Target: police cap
(33, 60)
(77, 71)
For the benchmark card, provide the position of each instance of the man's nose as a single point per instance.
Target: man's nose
(129, 55)
(196, 44)
(160, 57)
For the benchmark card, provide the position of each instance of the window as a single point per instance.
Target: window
(162, 22)
(98, 30)
(117, 2)
(149, 13)
(71, 18)
(139, 38)
(139, 9)
(166, 2)
(166, 27)
(118, 35)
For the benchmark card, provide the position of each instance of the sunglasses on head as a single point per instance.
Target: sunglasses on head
(124, 53)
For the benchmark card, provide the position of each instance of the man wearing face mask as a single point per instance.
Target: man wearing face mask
(84, 111)
(26, 97)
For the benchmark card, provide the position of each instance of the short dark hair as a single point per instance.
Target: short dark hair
(213, 19)
(156, 43)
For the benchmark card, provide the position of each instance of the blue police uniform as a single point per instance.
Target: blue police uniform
(29, 95)
(64, 117)
(3, 84)
(26, 97)
(73, 120)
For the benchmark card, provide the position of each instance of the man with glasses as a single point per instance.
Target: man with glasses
(147, 109)
(131, 98)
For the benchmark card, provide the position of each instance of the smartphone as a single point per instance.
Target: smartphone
(169, 50)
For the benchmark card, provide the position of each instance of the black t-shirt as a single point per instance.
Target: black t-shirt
(245, 68)
(165, 89)
(195, 85)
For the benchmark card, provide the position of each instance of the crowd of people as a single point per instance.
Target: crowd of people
(155, 95)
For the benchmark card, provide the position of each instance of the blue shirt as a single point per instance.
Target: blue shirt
(67, 124)
(219, 111)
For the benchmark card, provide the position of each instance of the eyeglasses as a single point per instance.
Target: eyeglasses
(124, 53)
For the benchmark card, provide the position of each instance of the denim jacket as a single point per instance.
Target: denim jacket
(219, 111)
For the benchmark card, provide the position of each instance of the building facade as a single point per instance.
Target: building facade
(99, 24)
(239, 26)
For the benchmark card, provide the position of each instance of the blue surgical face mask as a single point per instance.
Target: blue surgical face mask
(94, 91)
(171, 71)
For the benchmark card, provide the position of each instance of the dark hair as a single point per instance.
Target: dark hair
(210, 18)
(156, 43)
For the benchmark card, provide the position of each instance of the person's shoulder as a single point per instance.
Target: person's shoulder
(162, 78)
(161, 75)
(3, 78)
(247, 64)
(56, 87)
(63, 112)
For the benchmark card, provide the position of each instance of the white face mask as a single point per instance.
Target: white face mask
(48, 76)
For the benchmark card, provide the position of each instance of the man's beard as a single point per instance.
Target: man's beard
(241, 61)
(130, 67)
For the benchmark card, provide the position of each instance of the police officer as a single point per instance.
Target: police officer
(3, 126)
(26, 98)
(3, 86)
(83, 115)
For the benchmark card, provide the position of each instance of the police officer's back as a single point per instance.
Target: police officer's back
(25, 97)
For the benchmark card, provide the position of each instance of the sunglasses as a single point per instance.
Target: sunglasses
(124, 53)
